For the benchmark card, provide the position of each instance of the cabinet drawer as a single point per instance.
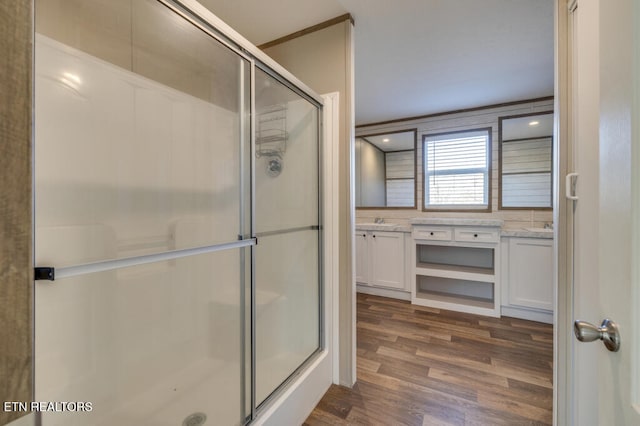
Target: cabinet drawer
(477, 235)
(434, 234)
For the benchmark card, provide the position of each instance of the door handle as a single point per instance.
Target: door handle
(569, 189)
(607, 332)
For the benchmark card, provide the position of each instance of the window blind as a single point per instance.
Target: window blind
(456, 169)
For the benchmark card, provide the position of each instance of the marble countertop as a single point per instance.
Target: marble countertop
(456, 221)
(525, 233)
(382, 227)
(505, 232)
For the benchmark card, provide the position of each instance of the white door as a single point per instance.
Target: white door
(603, 385)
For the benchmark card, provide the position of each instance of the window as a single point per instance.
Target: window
(456, 170)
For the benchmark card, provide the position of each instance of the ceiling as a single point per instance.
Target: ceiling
(417, 57)
(530, 126)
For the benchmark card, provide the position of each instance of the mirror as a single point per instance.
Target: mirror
(386, 170)
(525, 161)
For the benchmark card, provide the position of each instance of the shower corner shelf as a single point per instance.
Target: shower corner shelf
(272, 135)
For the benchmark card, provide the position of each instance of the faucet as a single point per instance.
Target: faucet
(379, 220)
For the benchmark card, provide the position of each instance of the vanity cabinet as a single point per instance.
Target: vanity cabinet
(457, 267)
(528, 270)
(380, 262)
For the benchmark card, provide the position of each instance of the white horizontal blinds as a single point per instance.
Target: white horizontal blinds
(400, 179)
(400, 192)
(400, 164)
(526, 173)
(530, 189)
(533, 155)
(456, 169)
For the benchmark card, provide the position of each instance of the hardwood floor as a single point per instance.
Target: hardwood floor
(424, 366)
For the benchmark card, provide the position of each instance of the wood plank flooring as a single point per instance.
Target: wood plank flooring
(424, 366)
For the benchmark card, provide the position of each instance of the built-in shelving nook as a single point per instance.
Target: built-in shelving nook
(457, 267)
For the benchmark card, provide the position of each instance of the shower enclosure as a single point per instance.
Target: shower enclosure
(177, 199)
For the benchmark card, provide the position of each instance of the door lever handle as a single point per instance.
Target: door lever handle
(607, 332)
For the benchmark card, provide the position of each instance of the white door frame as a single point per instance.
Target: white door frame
(562, 213)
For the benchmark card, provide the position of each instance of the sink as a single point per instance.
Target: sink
(543, 230)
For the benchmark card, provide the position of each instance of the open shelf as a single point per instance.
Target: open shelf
(430, 268)
(457, 274)
(477, 302)
(455, 257)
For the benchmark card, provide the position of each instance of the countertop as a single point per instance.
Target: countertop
(505, 232)
(525, 233)
(382, 227)
(456, 221)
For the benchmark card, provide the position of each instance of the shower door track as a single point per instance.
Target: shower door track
(50, 273)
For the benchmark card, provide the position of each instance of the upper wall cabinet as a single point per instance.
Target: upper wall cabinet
(386, 170)
(526, 159)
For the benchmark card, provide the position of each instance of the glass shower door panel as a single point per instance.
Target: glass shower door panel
(287, 306)
(286, 175)
(287, 226)
(146, 345)
(141, 148)
(139, 118)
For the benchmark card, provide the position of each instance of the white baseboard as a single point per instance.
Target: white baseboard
(384, 292)
(528, 314)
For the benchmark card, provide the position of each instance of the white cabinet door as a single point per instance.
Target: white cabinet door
(362, 257)
(531, 273)
(387, 259)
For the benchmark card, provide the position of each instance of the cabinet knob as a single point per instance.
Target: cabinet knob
(364, 235)
(475, 235)
(374, 235)
(430, 233)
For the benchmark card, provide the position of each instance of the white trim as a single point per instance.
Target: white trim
(384, 292)
(635, 208)
(527, 314)
(350, 134)
(331, 225)
(562, 297)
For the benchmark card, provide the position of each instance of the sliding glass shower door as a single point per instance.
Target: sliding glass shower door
(142, 181)
(287, 226)
(177, 227)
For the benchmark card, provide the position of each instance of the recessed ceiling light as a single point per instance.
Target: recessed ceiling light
(534, 123)
(385, 140)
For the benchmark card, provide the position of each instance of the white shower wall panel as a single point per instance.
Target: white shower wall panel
(148, 155)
